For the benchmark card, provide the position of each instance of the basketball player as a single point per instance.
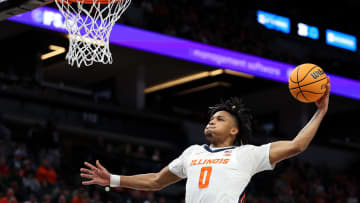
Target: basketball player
(219, 172)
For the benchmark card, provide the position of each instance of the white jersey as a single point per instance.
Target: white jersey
(219, 174)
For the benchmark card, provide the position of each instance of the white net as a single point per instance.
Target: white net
(89, 24)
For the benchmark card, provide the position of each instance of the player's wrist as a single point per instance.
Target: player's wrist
(114, 180)
(322, 111)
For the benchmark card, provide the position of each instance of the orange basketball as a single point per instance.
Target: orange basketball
(307, 82)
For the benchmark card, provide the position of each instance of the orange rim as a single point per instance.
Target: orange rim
(89, 1)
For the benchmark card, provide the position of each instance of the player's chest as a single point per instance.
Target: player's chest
(224, 159)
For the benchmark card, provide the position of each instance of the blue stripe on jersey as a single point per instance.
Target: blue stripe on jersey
(216, 150)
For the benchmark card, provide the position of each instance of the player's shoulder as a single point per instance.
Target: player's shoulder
(250, 147)
(192, 148)
(245, 147)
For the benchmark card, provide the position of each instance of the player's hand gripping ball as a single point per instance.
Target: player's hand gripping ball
(307, 83)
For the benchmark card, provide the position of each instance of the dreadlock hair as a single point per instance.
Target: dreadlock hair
(243, 115)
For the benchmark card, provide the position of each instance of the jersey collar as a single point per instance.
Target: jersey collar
(207, 148)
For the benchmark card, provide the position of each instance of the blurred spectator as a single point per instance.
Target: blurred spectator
(96, 198)
(54, 148)
(317, 186)
(55, 141)
(46, 188)
(135, 197)
(62, 191)
(46, 172)
(19, 154)
(156, 155)
(9, 197)
(109, 148)
(61, 199)
(19, 191)
(140, 152)
(4, 169)
(128, 149)
(54, 157)
(162, 200)
(80, 197)
(28, 167)
(150, 198)
(353, 194)
(32, 199)
(46, 198)
(31, 182)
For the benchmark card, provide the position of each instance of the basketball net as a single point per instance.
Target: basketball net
(89, 23)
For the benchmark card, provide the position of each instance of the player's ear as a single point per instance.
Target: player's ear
(234, 131)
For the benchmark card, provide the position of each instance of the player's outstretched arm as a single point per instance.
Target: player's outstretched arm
(151, 181)
(285, 149)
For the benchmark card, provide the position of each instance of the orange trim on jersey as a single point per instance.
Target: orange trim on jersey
(242, 199)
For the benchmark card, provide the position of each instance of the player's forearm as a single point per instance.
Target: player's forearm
(140, 182)
(305, 136)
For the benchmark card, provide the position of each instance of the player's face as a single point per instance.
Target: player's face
(222, 126)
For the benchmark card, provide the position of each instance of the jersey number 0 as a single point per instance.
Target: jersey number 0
(205, 177)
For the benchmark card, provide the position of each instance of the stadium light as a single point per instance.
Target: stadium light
(308, 31)
(273, 21)
(193, 77)
(341, 40)
(203, 87)
(56, 50)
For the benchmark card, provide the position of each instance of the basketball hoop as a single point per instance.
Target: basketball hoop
(89, 23)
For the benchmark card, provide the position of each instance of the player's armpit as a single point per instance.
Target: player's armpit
(281, 150)
(165, 177)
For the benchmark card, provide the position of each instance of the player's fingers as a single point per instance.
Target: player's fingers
(328, 85)
(84, 170)
(86, 175)
(88, 182)
(90, 166)
(99, 165)
(327, 89)
(319, 101)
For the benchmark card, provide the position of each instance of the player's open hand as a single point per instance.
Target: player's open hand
(323, 102)
(97, 174)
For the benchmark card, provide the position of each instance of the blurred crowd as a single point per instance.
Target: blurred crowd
(33, 169)
(296, 181)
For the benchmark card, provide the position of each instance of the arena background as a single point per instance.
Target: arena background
(57, 115)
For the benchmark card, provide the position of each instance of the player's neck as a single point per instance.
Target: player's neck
(227, 142)
(220, 145)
